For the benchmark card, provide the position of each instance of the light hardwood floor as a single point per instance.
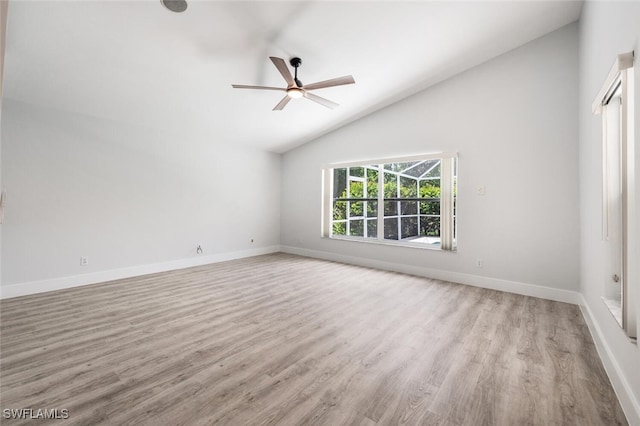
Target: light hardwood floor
(281, 339)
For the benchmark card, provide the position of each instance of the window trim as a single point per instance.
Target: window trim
(622, 62)
(446, 201)
(620, 78)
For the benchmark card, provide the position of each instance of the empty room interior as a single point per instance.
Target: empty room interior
(319, 212)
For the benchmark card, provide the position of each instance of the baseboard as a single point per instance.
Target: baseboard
(542, 292)
(33, 287)
(630, 405)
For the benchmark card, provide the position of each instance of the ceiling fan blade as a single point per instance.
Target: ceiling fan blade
(322, 101)
(283, 103)
(284, 70)
(244, 86)
(340, 81)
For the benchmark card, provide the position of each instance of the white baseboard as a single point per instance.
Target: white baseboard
(33, 287)
(630, 405)
(542, 292)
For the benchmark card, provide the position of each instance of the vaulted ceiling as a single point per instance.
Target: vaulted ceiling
(136, 62)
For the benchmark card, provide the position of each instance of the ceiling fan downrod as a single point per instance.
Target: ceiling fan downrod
(295, 63)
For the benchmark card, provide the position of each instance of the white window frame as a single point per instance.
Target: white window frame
(447, 231)
(620, 81)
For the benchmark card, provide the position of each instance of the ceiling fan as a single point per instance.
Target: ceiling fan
(295, 88)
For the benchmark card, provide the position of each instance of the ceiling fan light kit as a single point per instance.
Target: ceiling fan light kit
(295, 89)
(295, 93)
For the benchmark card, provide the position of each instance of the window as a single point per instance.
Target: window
(407, 201)
(615, 103)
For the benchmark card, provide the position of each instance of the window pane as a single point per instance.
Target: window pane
(455, 203)
(339, 210)
(356, 208)
(372, 183)
(355, 189)
(420, 168)
(390, 185)
(408, 187)
(409, 227)
(356, 171)
(391, 229)
(390, 208)
(356, 228)
(435, 171)
(430, 188)
(409, 207)
(372, 228)
(430, 207)
(372, 209)
(400, 167)
(339, 183)
(430, 226)
(339, 228)
(455, 228)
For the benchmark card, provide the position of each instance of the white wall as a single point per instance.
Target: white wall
(606, 30)
(513, 122)
(125, 196)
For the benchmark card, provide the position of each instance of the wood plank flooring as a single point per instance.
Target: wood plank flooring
(287, 340)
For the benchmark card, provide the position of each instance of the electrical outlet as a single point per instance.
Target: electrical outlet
(479, 263)
(84, 261)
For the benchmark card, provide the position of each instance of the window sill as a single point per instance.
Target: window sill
(394, 243)
(615, 307)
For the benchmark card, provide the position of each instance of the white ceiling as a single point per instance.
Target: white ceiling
(134, 61)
